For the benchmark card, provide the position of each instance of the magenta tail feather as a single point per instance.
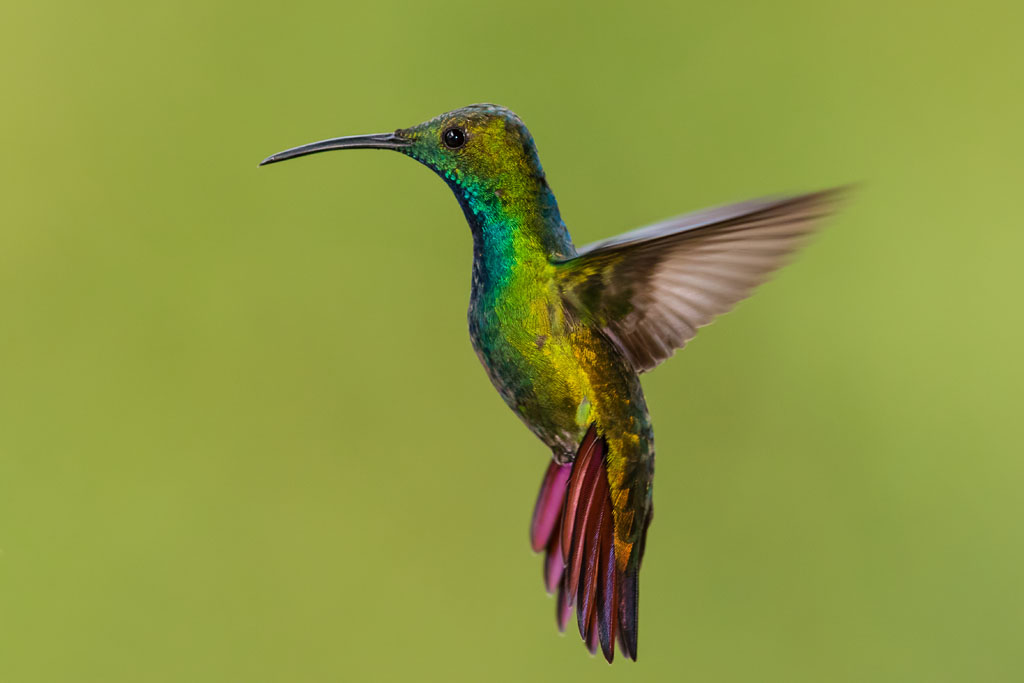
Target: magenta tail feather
(573, 522)
(547, 513)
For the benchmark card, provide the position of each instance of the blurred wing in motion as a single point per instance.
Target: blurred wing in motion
(650, 289)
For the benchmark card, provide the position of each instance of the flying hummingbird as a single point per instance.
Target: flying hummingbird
(564, 334)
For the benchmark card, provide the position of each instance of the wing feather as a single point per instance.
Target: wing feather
(651, 289)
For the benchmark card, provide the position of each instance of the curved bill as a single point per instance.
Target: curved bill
(375, 141)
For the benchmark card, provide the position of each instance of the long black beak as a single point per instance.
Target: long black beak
(376, 141)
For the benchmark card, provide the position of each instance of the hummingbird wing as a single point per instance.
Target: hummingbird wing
(650, 289)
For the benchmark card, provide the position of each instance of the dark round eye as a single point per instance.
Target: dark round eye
(453, 138)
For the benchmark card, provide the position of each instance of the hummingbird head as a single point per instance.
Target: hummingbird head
(487, 156)
(475, 149)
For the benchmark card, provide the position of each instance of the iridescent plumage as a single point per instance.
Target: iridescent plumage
(563, 336)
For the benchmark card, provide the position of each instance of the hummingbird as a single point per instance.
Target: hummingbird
(564, 334)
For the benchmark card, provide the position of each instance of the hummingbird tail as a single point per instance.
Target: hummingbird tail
(546, 534)
(574, 523)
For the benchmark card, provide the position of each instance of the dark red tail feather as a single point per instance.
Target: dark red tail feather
(608, 593)
(563, 608)
(590, 443)
(628, 599)
(546, 533)
(591, 635)
(580, 551)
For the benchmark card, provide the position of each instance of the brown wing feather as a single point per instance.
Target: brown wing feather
(651, 289)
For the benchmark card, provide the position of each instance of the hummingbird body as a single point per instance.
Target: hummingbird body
(563, 335)
(558, 374)
(536, 356)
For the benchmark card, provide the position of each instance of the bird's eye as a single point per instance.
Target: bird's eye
(453, 138)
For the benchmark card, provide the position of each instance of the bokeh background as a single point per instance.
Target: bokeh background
(243, 436)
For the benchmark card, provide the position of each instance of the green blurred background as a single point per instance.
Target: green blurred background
(243, 436)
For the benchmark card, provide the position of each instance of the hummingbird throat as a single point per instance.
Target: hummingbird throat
(513, 223)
